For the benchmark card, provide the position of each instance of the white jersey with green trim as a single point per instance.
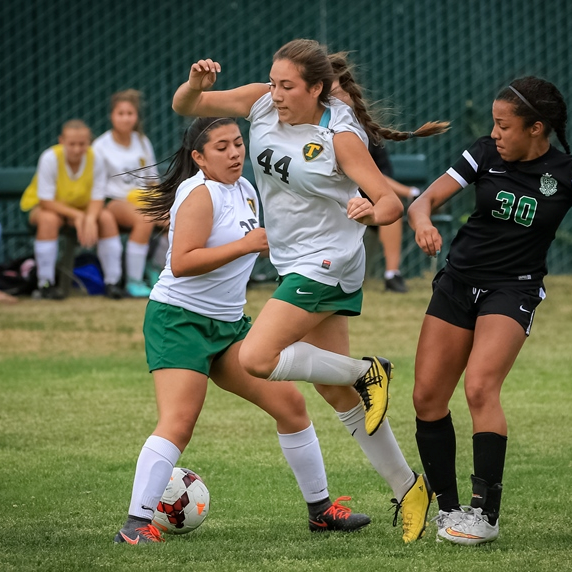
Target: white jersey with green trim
(221, 293)
(304, 195)
(121, 161)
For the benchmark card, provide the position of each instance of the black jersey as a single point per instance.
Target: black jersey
(381, 159)
(519, 206)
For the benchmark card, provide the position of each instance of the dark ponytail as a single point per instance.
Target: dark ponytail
(536, 99)
(158, 200)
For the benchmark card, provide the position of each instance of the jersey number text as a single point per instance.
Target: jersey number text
(281, 166)
(524, 212)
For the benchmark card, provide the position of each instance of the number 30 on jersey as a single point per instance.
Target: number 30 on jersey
(524, 212)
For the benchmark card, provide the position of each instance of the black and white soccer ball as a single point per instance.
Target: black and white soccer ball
(184, 505)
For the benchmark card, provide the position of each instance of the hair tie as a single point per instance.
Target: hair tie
(411, 134)
(528, 104)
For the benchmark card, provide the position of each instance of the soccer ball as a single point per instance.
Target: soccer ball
(184, 504)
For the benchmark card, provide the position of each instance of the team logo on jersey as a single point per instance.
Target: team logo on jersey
(312, 150)
(251, 205)
(548, 185)
(141, 161)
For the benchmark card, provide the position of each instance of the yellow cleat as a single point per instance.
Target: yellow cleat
(373, 388)
(414, 509)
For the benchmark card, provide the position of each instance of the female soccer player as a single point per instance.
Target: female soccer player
(126, 149)
(68, 189)
(485, 298)
(309, 154)
(194, 326)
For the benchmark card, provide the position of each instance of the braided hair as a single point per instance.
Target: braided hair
(315, 65)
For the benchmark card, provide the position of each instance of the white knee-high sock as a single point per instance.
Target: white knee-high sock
(109, 252)
(46, 255)
(305, 362)
(135, 259)
(303, 453)
(382, 450)
(154, 467)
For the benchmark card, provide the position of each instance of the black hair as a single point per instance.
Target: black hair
(537, 99)
(159, 199)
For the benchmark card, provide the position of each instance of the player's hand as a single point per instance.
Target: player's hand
(428, 239)
(361, 210)
(90, 232)
(78, 223)
(203, 74)
(255, 241)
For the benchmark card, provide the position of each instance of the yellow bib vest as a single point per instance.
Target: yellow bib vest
(75, 193)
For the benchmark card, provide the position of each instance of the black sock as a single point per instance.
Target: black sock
(489, 452)
(317, 508)
(438, 448)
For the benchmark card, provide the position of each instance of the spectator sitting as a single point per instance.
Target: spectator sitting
(127, 150)
(68, 189)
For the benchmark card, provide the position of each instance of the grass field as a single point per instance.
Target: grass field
(77, 403)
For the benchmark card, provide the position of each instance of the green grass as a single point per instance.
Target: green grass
(77, 403)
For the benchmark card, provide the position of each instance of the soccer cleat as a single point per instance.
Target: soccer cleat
(48, 292)
(373, 388)
(114, 291)
(445, 520)
(152, 273)
(138, 531)
(137, 289)
(414, 509)
(469, 526)
(396, 284)
(338, 517)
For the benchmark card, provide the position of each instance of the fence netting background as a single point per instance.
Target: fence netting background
(427, 59)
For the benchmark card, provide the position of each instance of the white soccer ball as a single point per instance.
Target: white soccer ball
(184, 505)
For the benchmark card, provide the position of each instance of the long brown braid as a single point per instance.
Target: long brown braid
(343, 70)
(315, 66)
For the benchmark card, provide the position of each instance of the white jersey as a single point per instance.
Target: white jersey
(119, 160)
(221, 293)
(304, 195)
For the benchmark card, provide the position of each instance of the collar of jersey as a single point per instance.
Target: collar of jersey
(326, 116)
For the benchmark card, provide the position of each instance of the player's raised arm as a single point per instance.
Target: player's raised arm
(192, 97)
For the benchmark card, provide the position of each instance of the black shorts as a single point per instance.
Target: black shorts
(461, 304)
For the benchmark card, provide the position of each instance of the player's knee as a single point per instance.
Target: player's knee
(253, 362)
(49, 221)
(178, 425)
(425, 402)
(142, 224)
(291, 415)
(107, 223)
(478, 397)
(297, 403)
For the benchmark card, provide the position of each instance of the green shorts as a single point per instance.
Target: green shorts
(180, 339)
(316, 297)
